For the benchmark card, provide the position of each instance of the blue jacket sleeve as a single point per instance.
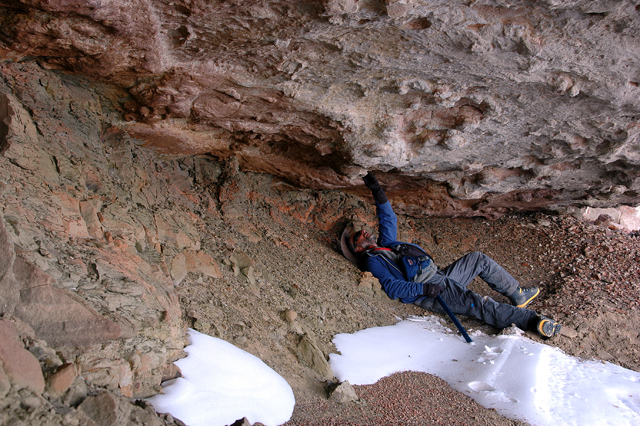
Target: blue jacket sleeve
(394, 287)
(388, 224)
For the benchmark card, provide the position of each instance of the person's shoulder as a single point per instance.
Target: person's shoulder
(371, 256)
(373, 263)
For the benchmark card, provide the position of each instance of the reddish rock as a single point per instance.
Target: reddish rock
(20, 367)
(5, 383)
(290, 315)
(461, 104)
(195, 262)
(170, 372)
(107, 409)
(57, 315)
(104, 410)
(60, 381)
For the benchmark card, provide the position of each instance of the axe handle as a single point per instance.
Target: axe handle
(454, 319)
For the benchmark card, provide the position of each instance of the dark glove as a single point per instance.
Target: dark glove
(431, 290)
(372, 183)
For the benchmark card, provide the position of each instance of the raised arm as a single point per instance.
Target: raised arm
(388, 223)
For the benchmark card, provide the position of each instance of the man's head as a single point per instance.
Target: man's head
(360, 241)
(355, 244)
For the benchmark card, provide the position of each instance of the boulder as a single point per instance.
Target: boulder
(343, 393)
(60, 381)
(106, 409)
(58, 316)
(18, 366)
(310, 355)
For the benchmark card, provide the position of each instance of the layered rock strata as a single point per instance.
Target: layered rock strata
(464, 108)
(110, 252)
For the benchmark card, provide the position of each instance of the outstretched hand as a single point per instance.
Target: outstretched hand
(371, 182)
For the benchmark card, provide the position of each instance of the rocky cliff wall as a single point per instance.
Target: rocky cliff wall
(109, 252)
(464, 107)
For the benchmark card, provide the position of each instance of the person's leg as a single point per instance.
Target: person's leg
(478, 264)
(465, 302)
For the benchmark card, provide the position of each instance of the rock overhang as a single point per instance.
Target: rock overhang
(462, 108)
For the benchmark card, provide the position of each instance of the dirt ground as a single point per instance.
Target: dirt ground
(588, 275)
(589, 279)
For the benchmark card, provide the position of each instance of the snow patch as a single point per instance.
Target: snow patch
(222, 384)
(518, 377)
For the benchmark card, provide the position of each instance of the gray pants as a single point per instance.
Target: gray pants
(456, 277)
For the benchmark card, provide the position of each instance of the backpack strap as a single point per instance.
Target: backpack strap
(385, 252)
(410, 250)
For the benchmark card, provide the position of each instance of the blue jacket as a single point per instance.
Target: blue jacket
(396, 280)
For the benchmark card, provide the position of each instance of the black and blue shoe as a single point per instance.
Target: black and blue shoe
(548, 327)
(523, 296)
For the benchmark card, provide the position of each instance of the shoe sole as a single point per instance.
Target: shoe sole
(522, 305)
(556, 329)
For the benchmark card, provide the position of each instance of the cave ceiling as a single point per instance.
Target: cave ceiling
(461, 107)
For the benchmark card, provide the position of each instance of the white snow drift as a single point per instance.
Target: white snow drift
(520, 378)
(222, 384)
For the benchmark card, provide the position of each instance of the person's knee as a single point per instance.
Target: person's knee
(480, 259)
(480, 255)
(486, 266)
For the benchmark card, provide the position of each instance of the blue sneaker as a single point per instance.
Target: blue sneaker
(523, 296)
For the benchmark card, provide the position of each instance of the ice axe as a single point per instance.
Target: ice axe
(454, 319)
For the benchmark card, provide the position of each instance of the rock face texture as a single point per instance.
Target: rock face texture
(109, 251)
(463, 107)
(55, 199)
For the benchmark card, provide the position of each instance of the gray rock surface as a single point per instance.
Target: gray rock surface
(343, 393)
(110, 252)
(464, 108)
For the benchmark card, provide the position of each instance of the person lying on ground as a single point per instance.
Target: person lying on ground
(408, 273)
